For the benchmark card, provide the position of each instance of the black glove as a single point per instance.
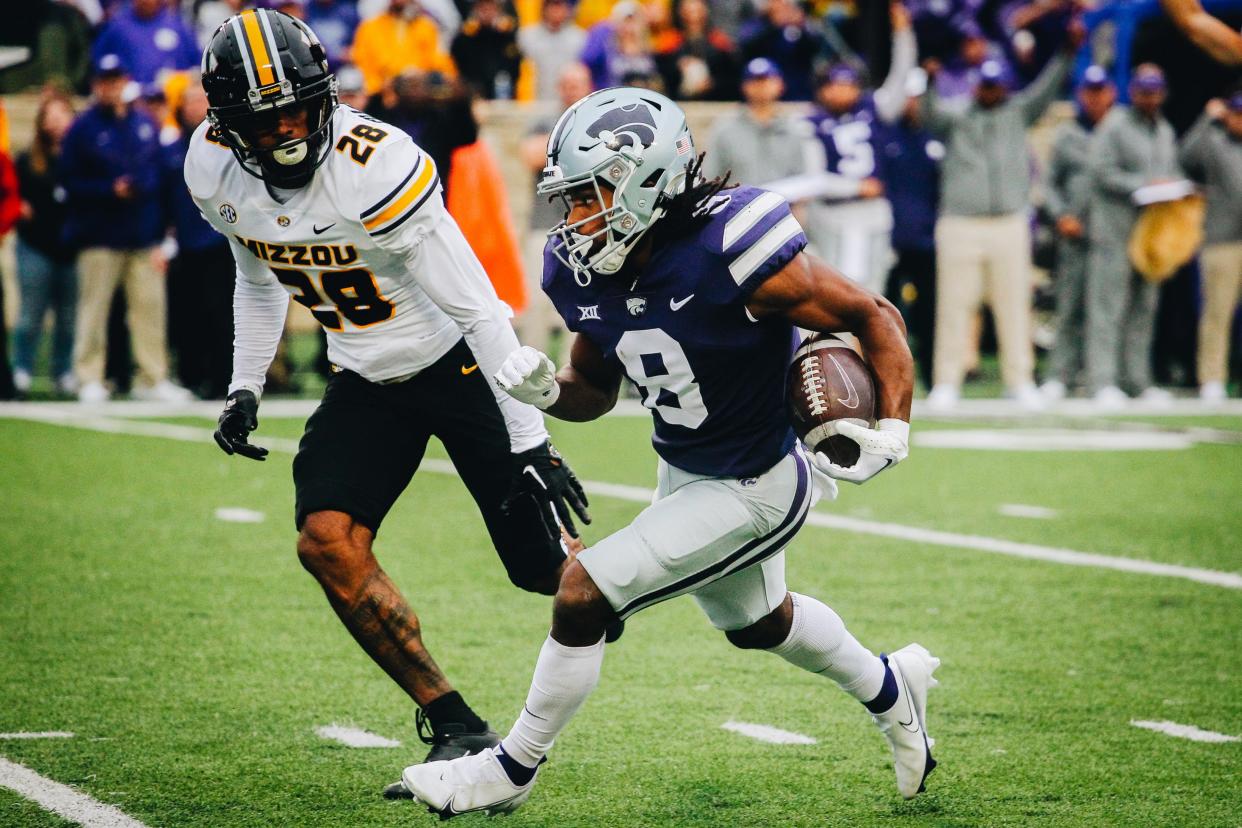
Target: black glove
(541, 477)
(240, 417)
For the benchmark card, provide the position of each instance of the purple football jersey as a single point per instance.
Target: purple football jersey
(847, 138)
(713, 377)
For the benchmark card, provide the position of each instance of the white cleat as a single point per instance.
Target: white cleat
(466, 785)
(905, 723)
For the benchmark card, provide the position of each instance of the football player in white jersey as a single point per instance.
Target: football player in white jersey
(344, 213)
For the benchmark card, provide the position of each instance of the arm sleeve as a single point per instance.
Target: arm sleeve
(1108, 171)
(440, 262)
(939, 117)
(1195, 147)
(1044, 89)
(259, 308)
(890, 98)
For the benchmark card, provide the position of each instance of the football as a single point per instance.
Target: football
(829, 382)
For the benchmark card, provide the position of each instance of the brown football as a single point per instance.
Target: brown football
(829, 382)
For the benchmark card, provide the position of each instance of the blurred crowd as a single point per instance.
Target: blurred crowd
(899, 132)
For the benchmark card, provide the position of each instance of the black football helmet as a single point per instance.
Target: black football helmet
(260, 68)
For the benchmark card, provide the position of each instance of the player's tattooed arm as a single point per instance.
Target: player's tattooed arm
(812, 295)
(589, 384)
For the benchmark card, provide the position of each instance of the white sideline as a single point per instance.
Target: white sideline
(1182, 731)
(766, 733)
(45, 734)
(1025, 510)
(638, 494)
(355, 737)
(63, 800)
(236, 514)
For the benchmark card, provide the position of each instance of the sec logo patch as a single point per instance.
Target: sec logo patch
(228, 212)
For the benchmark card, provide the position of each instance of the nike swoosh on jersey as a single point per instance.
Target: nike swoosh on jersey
(851, 398)
(677, 305)
(470, 370)
(319, 229)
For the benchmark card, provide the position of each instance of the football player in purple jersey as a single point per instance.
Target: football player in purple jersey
(692, 291)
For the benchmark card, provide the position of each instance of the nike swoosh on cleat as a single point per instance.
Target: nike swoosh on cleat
(319, 229)
(679, 304)
(907, 725)
(470, 370)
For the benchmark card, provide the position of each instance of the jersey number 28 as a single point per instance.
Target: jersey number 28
(354, 292)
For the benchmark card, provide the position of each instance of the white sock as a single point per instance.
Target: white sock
(564, 677)
(819, 643)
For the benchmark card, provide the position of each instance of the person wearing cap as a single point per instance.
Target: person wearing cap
(1132, 147)
(550, 45)
(758, 143)
(404, 37)
(110, 169)
(1212, 154)
(1066, 190)
(983, 237)
(959, 77)
(151, 38)
(908, 160)
(852, 234)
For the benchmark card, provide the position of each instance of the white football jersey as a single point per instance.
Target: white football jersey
(369, 248)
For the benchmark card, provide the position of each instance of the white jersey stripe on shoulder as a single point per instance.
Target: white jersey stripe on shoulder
(266, 20)
(748, 217)
(239, 34)
(746, 264)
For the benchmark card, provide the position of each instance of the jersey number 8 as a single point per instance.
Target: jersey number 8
(354, 292)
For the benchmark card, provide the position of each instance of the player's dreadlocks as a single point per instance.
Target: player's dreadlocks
(687, 212)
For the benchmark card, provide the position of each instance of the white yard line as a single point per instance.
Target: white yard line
(1182, 731)
(45, 734)
(766, 733)
(638, 494)
(1024, 510)
(63, 800)
(236, 514)
(355, 737)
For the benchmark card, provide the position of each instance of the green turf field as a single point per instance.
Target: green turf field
(193, 659)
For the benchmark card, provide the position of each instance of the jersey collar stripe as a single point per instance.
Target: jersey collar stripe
(412, 210)
(751, 552)
(270, 39)
(420, 187)
(748, 217)
(395, 190)
(257, 46)
(744, 266)
(239, 34)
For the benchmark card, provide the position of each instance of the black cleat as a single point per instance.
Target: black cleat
(453, 743)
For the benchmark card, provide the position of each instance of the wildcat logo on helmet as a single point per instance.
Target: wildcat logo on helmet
(627, 125)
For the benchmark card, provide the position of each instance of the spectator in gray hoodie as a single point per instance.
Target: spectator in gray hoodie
(983, 238)
(1212, 153)
(1132, 147)
(1066, 190)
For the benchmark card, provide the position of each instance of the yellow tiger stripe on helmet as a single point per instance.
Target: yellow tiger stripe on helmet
(419, 187)
(265, 72)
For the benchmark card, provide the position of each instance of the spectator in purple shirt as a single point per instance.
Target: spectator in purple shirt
(620, 47)
(936, 24)
(783, 37)
(334, 21)
(150, 38)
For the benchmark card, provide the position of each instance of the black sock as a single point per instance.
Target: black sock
(887, 696)
(451, 714)
(518, 773)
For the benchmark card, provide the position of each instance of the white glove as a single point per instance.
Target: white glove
(529, 375)
(885, 445)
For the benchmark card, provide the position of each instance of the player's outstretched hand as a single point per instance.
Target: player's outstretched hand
(529, 375)
(239, 418)
(885, 445)
(541, 476)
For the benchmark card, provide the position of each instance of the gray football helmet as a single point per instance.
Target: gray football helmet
(636, 143)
